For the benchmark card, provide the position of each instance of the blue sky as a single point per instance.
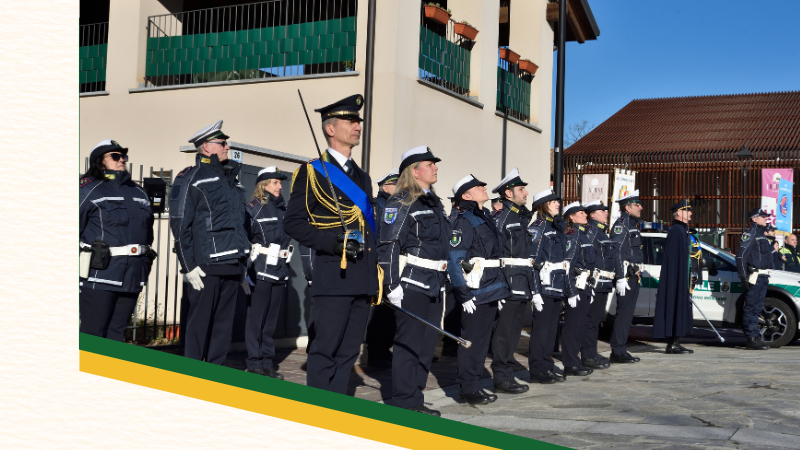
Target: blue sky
(658, 48)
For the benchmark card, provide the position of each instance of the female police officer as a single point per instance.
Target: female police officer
(116, 230)
(270, 253)
(549, 245)
(580, 254)
(413, 254)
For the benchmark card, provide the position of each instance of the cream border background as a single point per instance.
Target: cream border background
(47, 402)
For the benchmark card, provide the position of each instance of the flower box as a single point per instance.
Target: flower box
(509, 55)
(528, 66)
(437, 14)
(466, 30)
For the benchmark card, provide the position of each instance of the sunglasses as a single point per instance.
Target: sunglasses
(118, 156)
(222, 143)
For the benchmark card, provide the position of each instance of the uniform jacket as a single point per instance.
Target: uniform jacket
(475, 235)
(754, 251)
(777, 256)
(625, 233)
(580, 254)
(265, 227)
(361, 276)
(307, 258)
(420, 229)
(512, 223)
(673, 314)
(605, 251)
(116, 211)
(549, 244)
(792, 263)
(207, 214)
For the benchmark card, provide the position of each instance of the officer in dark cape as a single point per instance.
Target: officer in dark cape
(680, 272)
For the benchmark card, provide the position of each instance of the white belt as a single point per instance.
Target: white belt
(282, 253)
(439, 266)
(551, 266)
(604, 274)
(487, 262)
(516, 262)
(128, 250)
(764, 271)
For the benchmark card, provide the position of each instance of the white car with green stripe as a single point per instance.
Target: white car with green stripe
(721, 297)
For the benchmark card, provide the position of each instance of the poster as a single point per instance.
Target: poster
(783, 207)
(770, 184)
(594, 187)
(624, 184)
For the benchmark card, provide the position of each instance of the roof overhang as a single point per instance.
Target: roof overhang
(581, 26)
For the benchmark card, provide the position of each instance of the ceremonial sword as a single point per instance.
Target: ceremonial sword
(721, 339)
(461, 341)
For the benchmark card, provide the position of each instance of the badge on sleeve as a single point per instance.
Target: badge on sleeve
(389, 215)
(745, 237)
(456, 239)
(534, 232)
(617, 229)
(569, 245)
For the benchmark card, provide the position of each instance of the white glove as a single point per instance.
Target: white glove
(622, 286)
(195, 277)
(591, 299)
(246, 285)
(573, 301)
(538, 302)
(396, 296)
(255, 250)
(469, 306)
(500, 305)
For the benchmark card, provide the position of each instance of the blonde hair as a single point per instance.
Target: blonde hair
(259, 193)
(407, 182)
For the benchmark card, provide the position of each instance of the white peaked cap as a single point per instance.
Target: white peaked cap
(543, 194)
(208, 132)
(512, 176)
(572, 207)
(267, 169)
(631, 195)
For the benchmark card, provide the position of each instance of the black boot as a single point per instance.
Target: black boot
(673, 347)
(755, 343)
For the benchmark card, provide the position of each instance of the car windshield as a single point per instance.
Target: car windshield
(723, 254)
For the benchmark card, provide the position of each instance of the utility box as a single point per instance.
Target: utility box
(157, 191)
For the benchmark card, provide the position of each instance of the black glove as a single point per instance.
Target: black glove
(150, 253)
(351, 251)
(467, 266)
(746, 285)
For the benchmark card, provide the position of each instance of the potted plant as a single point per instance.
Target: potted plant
(435, 12)
(509, 55)
(463, 28)
(528, 66)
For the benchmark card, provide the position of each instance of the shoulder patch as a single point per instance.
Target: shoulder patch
(569, 244)
(399, 195)
(389, 215)
(538, 222)
(253, 202)
(184, 171)
(85, 181)
(617, 229)
(571, 231)
(456, 238)
(746, 236)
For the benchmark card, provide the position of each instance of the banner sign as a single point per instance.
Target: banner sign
(594, 187)
(783, 209)
(624, 184)
(770, 185)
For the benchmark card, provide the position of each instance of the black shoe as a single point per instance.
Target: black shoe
(272, 373)
(510, 387)
(473, 398)
(577, 371)
(755, 343)
(380, 363)
(489, 396)
(435, 358)
(595, 363)
(425, 410)
(548, 377)
(624, 358)
(558, 377)
(674, 348)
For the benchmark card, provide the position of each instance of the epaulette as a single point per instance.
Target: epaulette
(582, 228)
(86, 180)
(399, 195)
(253, 203)
(571, 231)
(515, 209)
(183, 172)
(538, 222)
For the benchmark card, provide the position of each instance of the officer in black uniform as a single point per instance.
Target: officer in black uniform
(270, 254)
(680, 273)
(479, 283)
(413, 253)
(603, 274)
(753, 262)
(790, 257)
(452, 308)
(341, 296)
(550, 284)
(116, 231)
(381, 326)
(582, 259)
(207, 217)
(512, 223)
(777, 257)
(625, 232)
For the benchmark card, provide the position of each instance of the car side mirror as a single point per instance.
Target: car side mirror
(709, 264)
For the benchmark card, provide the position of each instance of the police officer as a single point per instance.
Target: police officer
(777, 256)
(452, 308)
(116, 231)
(270, 254)
(381, 326)
(753, 262)
(603, 272)
(512, 224)
(345, 266)
(413, 252)
(479, 283)
(680, 272)
(581, 256)
(790, 256)
(625, 233)
(207, 217)
(550, 284)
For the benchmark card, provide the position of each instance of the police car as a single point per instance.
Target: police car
(721, 297)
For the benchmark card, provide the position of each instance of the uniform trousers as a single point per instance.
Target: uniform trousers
(339, 323)
(571, 332)
(210, 319)
(452, 321)
(543, 335)
(591, 327)
(626, 305)
(476, 328)
(106, 313)
(414, 344)
(753, 305)
(380, 333)
(505, 339)
(262, 319)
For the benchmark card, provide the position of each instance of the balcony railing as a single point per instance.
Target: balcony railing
(259, 40)
(444, 56)
(92, 54)
(517, 90)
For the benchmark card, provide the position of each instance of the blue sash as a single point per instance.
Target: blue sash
(350, 189)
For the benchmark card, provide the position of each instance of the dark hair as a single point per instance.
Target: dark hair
(541, 211)
(97, 171)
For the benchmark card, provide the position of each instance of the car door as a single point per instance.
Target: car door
(715, 296)
(650, 273)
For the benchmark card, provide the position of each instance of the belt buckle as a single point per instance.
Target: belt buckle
(133, 250)
(442, 266)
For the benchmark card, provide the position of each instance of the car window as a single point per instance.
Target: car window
(656, 253)
(719, 263)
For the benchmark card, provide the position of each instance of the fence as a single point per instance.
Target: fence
(513, 90)
(444, 56)
(259, 40)
(92, 54)
(712, 180)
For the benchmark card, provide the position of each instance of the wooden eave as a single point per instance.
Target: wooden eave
(581, 25)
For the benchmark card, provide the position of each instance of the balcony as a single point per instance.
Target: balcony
(92, 54)
(254, 41)
(513, 90)
(444, 56)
